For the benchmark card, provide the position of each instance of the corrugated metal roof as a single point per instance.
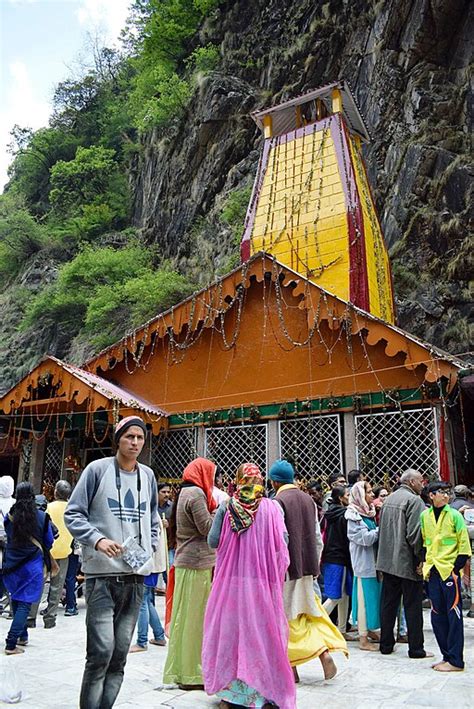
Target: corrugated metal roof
(350, 109)
(108, 389)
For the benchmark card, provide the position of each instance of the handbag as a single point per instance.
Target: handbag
(50, 563)
(52, 566)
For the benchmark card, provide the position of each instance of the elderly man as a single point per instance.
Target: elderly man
(312, 634)
(60, 550)
(400, 560)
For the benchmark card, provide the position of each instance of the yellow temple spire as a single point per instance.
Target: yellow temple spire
(312, 207)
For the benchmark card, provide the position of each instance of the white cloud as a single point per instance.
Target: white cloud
(106, 15)
(22, 106)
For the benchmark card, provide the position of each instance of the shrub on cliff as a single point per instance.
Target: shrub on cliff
(104, 292)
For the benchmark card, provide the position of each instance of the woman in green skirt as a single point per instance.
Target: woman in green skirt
(363, 535)
(194, 560)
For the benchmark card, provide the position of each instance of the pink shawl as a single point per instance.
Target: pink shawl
(245, 628)
(358, 502)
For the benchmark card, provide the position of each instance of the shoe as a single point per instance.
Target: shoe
(48, 626)
(15, 651)
(43, 612)
(350, 637)
(191, 687)
(138, 648)
(402, 638)
(161, 643)
(30, 622)
(470, 614)
(71, 611)
(23, 641)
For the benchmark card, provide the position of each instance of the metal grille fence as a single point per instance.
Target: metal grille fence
(313, 445)
(171, 451)
(53, 460)
(230, 446)
(388, 443)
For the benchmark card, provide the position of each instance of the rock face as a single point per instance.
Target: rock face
(407, 63)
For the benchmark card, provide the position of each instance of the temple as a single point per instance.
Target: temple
(293, 354)
(312, 207)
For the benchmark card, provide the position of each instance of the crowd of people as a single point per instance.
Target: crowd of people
(258, 580)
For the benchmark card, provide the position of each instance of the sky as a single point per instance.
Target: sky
(40, 44)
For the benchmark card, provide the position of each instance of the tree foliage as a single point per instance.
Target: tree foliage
(103, 292)
(68, 190)
(20, 236)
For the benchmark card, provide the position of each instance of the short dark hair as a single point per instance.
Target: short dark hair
(438, 485)
(337, 492)
(160, 486)
(315, 485)
(354, 476)
(334, 476)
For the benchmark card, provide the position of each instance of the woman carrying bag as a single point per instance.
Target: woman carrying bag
(29, 539)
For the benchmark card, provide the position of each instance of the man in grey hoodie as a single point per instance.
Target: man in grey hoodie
(115, 498)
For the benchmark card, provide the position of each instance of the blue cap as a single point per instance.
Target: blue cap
(282, 472)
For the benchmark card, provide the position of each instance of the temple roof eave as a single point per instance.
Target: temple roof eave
(77, 391)
(202, 307)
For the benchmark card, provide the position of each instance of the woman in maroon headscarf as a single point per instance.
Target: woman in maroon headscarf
(191, 520)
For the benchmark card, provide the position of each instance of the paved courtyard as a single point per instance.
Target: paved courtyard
(51, 669)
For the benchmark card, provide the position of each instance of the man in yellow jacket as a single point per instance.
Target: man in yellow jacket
(447, 545)
(60, 550)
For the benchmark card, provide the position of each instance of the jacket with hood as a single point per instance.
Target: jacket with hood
(362, 545)
(7, 485)
(336, 545)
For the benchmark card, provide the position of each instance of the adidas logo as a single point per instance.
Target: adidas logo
(130, 510)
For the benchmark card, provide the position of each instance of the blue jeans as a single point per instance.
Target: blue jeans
(18, 627)
(113, 603)
(70, 582)
(148, 615)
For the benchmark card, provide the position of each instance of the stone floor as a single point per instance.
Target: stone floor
(50, 675)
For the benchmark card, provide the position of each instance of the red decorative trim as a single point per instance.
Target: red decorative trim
(358, 276)
(371, 192)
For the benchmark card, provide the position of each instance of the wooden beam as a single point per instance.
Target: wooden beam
(336, 101)
(268, 126)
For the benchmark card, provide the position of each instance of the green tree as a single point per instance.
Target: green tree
(20, 236)
(35, 154)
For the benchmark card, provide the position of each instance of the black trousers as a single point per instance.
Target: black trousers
(446, 616)
(393, 588)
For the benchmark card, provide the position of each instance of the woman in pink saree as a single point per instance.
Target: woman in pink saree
(244, 655)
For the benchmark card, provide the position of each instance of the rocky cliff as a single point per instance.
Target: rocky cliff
(408, 64)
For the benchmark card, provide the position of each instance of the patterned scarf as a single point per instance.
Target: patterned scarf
(358, 502)
(244, 504)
